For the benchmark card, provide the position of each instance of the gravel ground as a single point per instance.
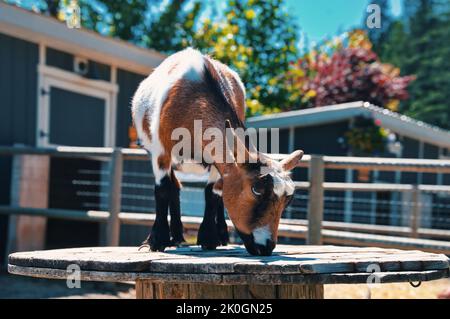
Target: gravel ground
(427, 290)
(18, 287)
(24, 287)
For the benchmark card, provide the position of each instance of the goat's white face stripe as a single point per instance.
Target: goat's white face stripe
(261, 235)
(282, 184)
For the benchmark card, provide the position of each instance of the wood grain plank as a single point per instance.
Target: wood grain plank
(190, 261)
(300, 292)
(233, 279)
(203, 291)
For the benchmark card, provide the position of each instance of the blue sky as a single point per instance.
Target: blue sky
(320, 19)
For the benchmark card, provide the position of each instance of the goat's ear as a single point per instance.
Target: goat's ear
(292, 161)
(239, 150)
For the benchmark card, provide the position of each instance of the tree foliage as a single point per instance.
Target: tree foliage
(427, 54)
(378, 35)
(174, 29)
(122, 19)
(346, 70)
(418, 43)
(258, 39)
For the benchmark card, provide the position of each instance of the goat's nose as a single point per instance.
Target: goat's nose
(266, 250)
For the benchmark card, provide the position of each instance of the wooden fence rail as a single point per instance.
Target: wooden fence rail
(314, 230)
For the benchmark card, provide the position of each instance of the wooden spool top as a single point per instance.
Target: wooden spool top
(233, 265)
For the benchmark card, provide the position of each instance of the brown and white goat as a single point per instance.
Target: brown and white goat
(186, 87)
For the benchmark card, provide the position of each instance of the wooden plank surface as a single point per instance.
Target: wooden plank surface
(226, 264)
(233, 279)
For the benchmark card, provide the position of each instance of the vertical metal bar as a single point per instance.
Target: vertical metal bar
(114, 198)
(291, 141)
(315, 202)
(416, 209)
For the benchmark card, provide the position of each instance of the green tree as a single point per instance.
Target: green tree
(418, 43)
(391, 49)
(257, 38)
(126, 17)
(174, 29)
(122, 19)
(378, 35)
(427, 55)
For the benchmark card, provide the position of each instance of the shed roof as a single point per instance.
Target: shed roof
(398, 123)
(37, 28)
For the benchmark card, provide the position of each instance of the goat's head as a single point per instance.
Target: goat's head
(255, 194)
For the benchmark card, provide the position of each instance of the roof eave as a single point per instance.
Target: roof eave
(37, 28)
(400, 124)
(308, 117)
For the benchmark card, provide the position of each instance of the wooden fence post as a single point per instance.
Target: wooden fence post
(315, 200)
(29, 188)
(416, 210)
(114, 198)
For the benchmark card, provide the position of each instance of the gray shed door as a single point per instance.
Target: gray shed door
(76, 119)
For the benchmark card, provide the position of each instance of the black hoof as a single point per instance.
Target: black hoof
(208, 236)
(160, 245)
(224, 238)
(159, 238)
(177, 241)
(207, 247)
(177, 234)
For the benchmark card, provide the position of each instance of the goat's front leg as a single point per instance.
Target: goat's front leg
(222, 227)
(208, 235)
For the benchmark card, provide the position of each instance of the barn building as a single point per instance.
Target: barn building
(62, 86)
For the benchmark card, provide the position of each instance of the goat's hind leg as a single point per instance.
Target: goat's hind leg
(159, 237)
(176, 226)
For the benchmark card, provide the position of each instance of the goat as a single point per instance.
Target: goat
(189, 86)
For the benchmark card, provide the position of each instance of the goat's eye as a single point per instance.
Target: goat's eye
(258, 188)
(256, 192)
(262, 185)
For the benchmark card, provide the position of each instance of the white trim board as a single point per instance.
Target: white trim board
(52, 77)
(36, 28)
(77, 79)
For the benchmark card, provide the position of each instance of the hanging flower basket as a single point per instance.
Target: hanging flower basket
(366, 137)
